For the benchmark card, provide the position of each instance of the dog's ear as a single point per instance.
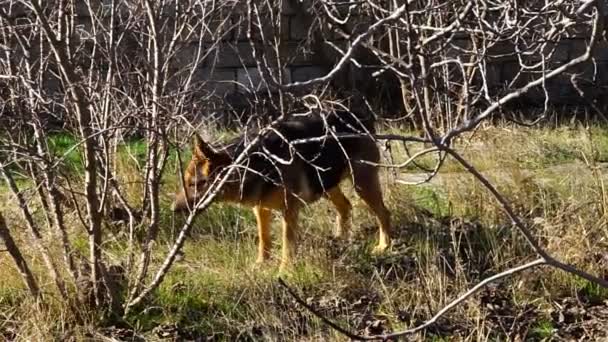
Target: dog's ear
(201, 150)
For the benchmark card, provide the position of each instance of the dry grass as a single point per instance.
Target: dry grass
(450, 234)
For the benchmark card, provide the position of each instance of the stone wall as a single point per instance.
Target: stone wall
(234, 68)
(591, 78)
(231, 67)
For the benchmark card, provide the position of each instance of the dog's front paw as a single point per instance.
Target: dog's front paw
(380, 248)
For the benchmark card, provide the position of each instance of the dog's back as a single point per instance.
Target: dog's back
(307, 155)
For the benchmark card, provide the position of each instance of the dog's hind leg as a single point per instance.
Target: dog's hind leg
(289, 235)
(367, 185)
(263, 217)
(344, 208)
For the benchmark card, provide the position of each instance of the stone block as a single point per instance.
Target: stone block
(250, 79)
(601, 51)
(81, 7)
(284, 29)
(508, 71)
(457, 47)
(293, 54)
(227, 55)
(602, 71)
(358, 25)
(186, 55)
(219, 81)
(577, 47)
(493, 76)
(299, 26)
(580, 30)
(558, 52)
(216, 29)
(586, 72)
(293, 7)
(268, 33)
(328, 54)
(15, 9)
(53, 86)
(305, 73)
(502, 52)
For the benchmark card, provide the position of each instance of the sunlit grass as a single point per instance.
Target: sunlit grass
(449, 235)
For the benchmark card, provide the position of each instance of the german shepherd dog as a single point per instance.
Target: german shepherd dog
(293, 163)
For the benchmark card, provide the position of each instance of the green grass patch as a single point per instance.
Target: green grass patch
(66, 147)
(543, 330)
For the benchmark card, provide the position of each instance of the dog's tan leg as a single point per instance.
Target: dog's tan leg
(367, 185)
(290, 234)
(263, 217)
(344, 208)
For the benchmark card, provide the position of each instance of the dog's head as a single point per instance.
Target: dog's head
(200, 173)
